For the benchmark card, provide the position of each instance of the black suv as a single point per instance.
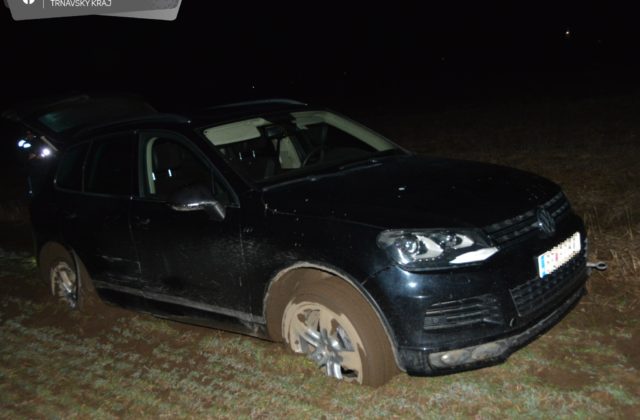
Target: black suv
(293, 223)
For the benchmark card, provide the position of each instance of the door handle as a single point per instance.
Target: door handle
(141, 221)
(69, 214)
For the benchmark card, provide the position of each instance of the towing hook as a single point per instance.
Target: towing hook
(600, 265)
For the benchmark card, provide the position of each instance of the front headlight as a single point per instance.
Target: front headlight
(435, 248)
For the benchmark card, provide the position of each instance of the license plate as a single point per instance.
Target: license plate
(553, 259)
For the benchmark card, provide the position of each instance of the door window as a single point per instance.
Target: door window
(169, 166)
(69, 174)
(110, 165)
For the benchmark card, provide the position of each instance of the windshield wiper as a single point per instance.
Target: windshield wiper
(371, 161)
(359, 163)
(330, 171)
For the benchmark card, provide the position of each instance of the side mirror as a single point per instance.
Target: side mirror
(196, 198)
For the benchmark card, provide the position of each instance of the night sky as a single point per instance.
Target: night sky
(392, 54)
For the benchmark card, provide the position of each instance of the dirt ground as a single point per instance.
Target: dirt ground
(116, 363)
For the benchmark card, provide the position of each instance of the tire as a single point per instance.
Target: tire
(68, 282)
(333, 325)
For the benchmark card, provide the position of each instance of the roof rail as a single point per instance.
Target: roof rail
(274, 101)
(175, 118)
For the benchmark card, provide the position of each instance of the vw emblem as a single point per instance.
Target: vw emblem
(545, 222)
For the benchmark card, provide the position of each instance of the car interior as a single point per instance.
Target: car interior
(262, 149)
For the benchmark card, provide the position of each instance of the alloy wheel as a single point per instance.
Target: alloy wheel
(327, 338)
(64, 283)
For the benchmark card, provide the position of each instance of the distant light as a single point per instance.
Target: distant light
(21, 142)
(45, 152)
(567, 33)
(170, 173)
(26, 145)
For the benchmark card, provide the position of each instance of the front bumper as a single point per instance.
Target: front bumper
(418, 362)
(455, 320)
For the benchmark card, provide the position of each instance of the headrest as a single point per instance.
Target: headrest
(167, 155)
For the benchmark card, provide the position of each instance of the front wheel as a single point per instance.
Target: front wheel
(333, 325)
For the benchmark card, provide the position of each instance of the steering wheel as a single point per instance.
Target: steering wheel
(318, 150)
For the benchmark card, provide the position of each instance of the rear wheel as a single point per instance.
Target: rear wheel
(333, 325)
(68, 283)
(64, 283)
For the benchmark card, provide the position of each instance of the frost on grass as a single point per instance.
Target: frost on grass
(15, 263)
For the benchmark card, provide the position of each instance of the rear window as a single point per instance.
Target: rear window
(94, 111)
(110, 165)
(69, 174)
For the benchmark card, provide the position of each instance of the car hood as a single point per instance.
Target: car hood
(413, 192)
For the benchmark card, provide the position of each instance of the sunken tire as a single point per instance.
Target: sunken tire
(66, 282)
(334, 326)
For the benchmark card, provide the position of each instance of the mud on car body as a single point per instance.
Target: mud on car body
(293, 223)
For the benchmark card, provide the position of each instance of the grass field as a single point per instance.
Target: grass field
(115, 363)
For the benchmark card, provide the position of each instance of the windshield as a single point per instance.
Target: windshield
(294, 144)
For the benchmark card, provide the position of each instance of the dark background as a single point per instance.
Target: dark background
(356, 58)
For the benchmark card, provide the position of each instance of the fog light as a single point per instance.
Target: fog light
(449, 358)
(486, 351)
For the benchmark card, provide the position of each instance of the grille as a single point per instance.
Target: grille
(463, 313)
(535, 293)
(511, 230)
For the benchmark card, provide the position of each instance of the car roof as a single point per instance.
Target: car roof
(59, 118)
(210, 116)
(68, 119)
